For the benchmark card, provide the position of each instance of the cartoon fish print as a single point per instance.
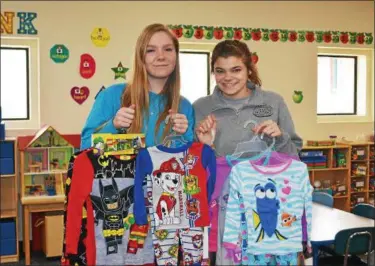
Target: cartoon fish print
(287, 219)
(267, 209)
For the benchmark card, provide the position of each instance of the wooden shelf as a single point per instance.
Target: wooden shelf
(42, 199)
(8, 213)
(340, 197)
(325, 147)
(358, 192)
(8, 258)
(5, 176)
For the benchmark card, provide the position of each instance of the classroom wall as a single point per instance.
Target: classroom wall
(284, 67)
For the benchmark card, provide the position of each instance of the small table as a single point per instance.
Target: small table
(327, 222)
(27, 210)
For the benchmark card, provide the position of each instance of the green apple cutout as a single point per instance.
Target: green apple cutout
(297, 96)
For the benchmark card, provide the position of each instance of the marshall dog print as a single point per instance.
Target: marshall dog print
(183, 180)
(180, 182)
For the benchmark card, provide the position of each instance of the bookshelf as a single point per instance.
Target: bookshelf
(362, 173)
(332, 176)
(348, 185)
(9, 202)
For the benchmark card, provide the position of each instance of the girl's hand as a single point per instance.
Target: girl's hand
(269, 128)
(124, 117)
(206, 130)
(179, 122)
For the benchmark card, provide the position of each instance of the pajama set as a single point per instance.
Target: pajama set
(218, 210)
(273, 199)
(104, 233)
(180, 182)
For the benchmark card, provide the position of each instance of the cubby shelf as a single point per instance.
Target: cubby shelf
(344, 175)
(9, 201)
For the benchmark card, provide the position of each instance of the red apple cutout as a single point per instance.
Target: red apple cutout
(80, 94)
(254, 58)
(87, 66)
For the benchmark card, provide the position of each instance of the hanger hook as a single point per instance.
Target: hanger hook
(254, 123)
(167, 119)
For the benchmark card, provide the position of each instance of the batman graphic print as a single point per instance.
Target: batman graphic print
(111, 206)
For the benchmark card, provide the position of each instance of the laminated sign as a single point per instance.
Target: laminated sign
(59, 53)
(80, 94)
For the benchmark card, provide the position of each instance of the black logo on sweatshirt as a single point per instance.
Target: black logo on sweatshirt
(263, 111)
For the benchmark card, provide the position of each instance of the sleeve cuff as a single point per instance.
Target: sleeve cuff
(108, 127)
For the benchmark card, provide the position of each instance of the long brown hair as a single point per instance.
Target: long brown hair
(137, 91)
(238, 49)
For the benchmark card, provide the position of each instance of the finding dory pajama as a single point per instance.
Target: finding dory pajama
(273, 198)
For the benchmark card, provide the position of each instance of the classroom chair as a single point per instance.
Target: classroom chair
(364, 210)
(323, 198)
(350, 243)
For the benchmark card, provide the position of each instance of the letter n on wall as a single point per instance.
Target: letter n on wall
(7, 22)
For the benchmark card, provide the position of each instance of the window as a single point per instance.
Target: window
(345, 85)
(337, 85)
(14, 83)
(195, 74)
(19, 95)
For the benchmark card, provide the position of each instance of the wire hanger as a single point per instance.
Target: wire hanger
(173, 136)
(255, 145)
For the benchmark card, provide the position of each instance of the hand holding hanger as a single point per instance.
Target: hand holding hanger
(269, 127)
(124, 117)
(174, 135)
(206, 130)
(179, 121)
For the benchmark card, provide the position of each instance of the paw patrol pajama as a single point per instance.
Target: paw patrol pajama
(180, 183)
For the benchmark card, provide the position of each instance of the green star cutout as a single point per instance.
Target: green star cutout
(120, 71)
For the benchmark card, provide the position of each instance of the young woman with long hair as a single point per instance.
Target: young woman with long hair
(154, 93)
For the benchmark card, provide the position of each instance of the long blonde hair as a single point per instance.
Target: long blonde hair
(137, 91)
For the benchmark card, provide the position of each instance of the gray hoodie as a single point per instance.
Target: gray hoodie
(261, 106)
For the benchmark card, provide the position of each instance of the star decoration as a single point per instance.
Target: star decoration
(120, 71)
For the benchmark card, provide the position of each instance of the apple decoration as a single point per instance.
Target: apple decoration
(228, 33)
(265, 35)
(274, 35)
(283, 35)
(237, 34)
(198, 32)
(188, 31)
(218, 33)
(293, 36)
(256, 34)
(254, 58)
(319, 36)
(327, 37)
(368, 38)
(208, 33)
(344, 37)
(177, 30)
(297, 96)
(335, 37)
(246, 34)
(310, 37)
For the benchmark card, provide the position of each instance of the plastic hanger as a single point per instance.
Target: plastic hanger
(255, 145)
(173, 136)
